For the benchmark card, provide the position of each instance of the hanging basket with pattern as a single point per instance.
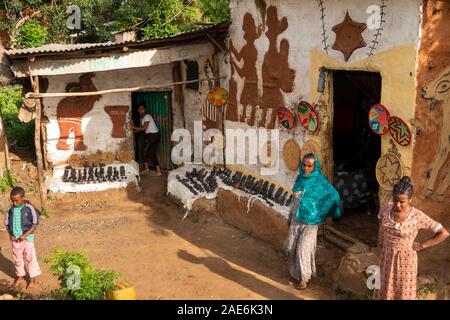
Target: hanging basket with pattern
(307, 116)
(399, 131)
(379, 119)
(218, 96)
(286, 117)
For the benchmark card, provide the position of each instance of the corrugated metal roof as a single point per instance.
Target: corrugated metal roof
(155, 42)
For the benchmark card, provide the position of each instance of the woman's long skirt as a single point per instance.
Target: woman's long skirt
(301, 248)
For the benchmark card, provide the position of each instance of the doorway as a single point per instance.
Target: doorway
(158, 104)
(356, 151)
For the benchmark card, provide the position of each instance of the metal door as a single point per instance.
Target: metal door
(159, 107)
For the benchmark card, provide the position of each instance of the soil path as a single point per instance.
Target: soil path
(144, 237)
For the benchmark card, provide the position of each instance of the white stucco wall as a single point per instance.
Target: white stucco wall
(97, 125)
(304, 33)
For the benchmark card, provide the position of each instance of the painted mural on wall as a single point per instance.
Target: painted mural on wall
(118, 115)
(431, 159)
(71, 110)
(438, 90)
(276, 75)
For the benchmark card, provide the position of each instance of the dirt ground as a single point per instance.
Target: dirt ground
(143, 236)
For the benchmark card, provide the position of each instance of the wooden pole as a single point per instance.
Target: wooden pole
(37, 143)
(101, 92)
(4, 141)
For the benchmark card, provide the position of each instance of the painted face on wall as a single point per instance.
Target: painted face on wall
(308, 166)
(401, 202)
(141, 111)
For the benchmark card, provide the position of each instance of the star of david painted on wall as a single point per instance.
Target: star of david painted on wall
(349, 36)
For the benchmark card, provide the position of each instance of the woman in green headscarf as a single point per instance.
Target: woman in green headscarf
(315, 200)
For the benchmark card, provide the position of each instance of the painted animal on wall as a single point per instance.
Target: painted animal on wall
(439, 90)
(71, 110)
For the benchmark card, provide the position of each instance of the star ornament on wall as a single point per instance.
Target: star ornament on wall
(349, 36)
(390, 171)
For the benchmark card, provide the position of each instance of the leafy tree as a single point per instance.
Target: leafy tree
(31, 35)
(17, 132)
(215, 10)
(153, 18)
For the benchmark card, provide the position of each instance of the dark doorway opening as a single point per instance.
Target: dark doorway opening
(158, 104)
(356, 151)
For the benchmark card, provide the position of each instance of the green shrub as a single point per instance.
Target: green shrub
(31, 34)
(94, 283)
(7, 181)
(17, 132)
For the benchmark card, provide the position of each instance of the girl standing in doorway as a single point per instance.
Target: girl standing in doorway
(152, 137)
(399, 224)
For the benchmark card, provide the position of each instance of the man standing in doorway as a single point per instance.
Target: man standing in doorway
(152, 138)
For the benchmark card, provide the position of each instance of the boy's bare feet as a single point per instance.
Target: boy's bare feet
(18, 282)
(31, 284)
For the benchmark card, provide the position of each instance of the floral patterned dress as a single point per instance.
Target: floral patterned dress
(398, 261)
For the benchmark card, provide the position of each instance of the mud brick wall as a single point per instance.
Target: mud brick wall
(260, 222)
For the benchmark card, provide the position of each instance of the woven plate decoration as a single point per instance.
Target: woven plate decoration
(107, 157)
(218, 96)
(74, 160)
(399, 131)
(125, 156)
(292, 154)
(286, 117)
(307, 116)
(379, 119)
(388, 170)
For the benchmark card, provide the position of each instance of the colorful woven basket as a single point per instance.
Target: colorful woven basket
(307, 116)
(286, 118)
(379, 119)
(399, 131)
(218, 96)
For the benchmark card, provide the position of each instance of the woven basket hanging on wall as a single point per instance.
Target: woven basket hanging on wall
(292, 154)
(388, 170)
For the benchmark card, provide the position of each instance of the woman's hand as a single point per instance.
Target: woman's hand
(417, 246)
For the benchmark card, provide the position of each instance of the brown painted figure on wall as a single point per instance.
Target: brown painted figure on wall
(277, 76)
(118, 115)
(439, 90)
(249, 54)
(71, 110)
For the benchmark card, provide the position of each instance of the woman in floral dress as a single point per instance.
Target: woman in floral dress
(399, 225)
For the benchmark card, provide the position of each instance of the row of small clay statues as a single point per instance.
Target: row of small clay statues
(94, 174)
(198, 181)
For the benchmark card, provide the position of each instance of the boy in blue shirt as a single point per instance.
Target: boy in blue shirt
(21, 222)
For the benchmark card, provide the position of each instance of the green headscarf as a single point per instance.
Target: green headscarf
(319, 198)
